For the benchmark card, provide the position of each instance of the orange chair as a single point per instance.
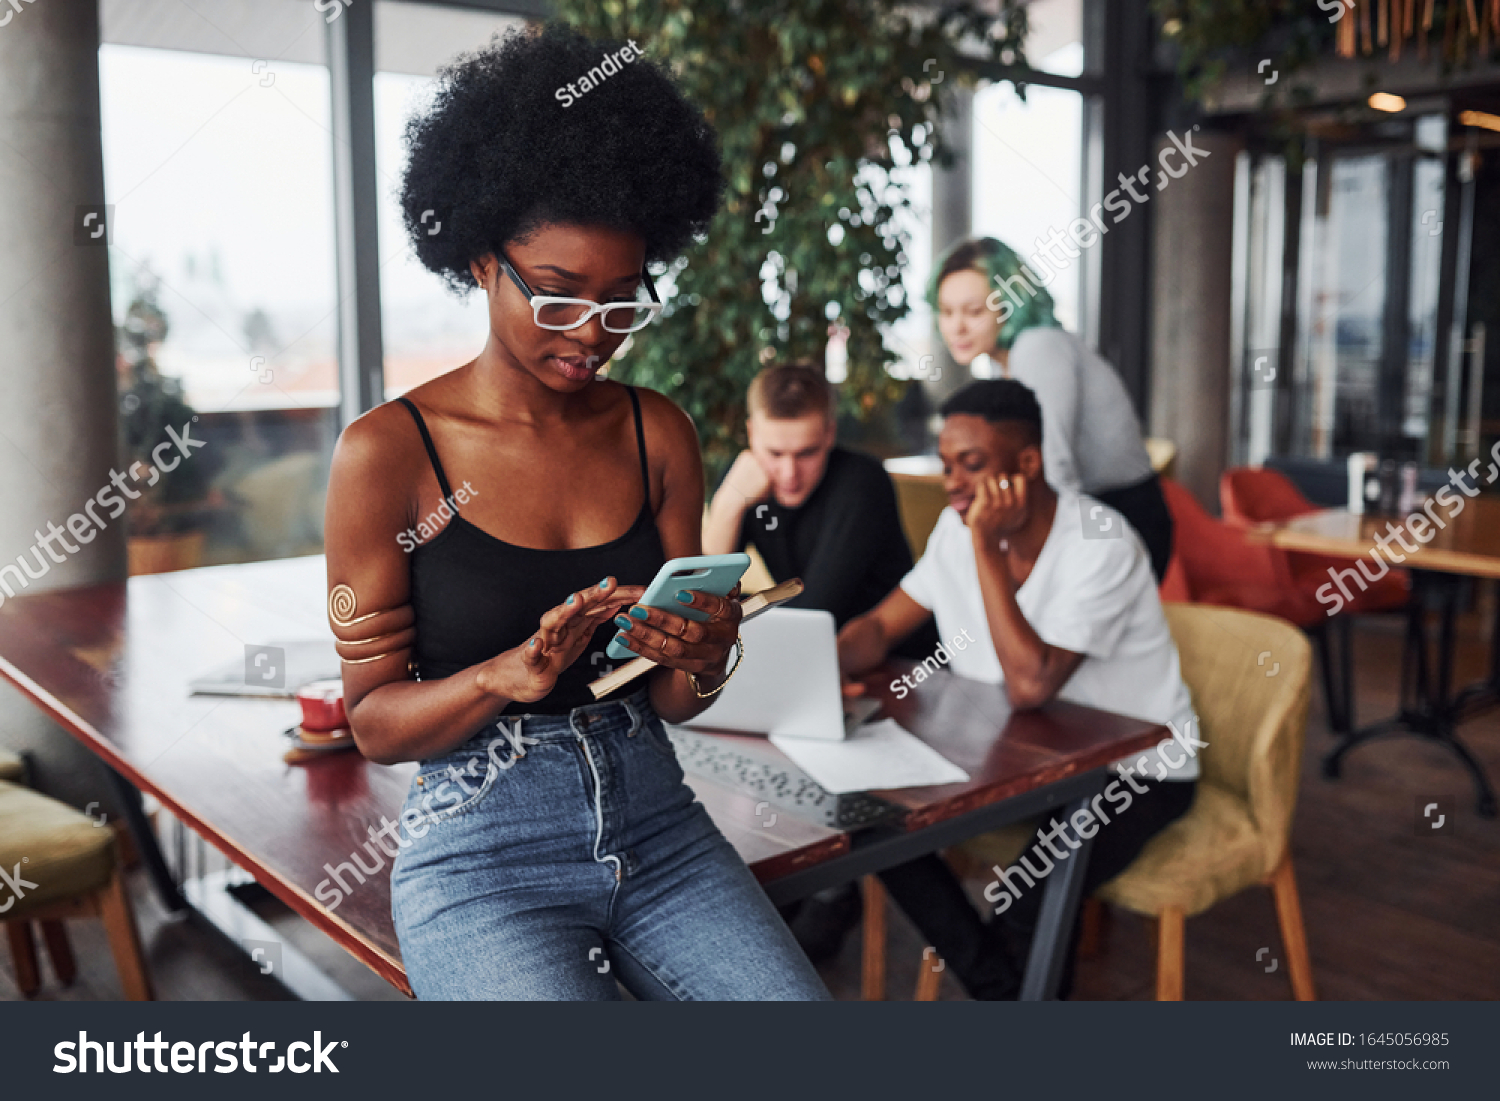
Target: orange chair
(1213, 563)
(1257, 495)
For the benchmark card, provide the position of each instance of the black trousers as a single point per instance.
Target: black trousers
(1144, 506)
(989, 958)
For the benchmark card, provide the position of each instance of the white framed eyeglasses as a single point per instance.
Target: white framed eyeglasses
(562, 314)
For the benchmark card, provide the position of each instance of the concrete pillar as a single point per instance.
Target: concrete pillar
(1190, 314)
(58, 420)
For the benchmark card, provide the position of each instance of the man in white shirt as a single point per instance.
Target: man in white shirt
(1057, 592)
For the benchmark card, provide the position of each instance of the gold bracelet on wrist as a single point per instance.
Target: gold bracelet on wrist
(738, 657)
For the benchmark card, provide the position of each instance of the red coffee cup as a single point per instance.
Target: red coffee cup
(322, 705)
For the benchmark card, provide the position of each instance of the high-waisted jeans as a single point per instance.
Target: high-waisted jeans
(551, 855)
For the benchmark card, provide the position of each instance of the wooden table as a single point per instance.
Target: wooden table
(1468, 545)
(112, 666)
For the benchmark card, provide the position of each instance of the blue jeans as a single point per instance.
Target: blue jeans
(551, 855)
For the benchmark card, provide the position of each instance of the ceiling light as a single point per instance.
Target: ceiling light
(1480, 118)
(1384, 101)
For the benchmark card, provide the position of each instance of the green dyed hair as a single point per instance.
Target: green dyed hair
(1019, 297)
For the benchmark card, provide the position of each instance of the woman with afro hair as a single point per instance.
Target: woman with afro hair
(491, 531)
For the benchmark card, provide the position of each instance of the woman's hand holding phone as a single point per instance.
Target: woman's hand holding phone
(677, 642)
(529, 671)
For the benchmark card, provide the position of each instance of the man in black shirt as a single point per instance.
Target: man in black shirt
(827, 515)
(813, 509)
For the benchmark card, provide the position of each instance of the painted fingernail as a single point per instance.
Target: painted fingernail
(639, 612)
(604, 584)
(623, 640)
(684, 597)
(532, 644)
(570, 600)
(622, 623)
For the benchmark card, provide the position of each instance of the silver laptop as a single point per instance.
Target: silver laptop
(788, 682)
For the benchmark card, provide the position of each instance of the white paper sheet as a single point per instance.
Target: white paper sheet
(882, 754)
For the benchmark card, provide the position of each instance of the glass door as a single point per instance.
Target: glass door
(1468, 416)
(1367, 294)
(1371, 265)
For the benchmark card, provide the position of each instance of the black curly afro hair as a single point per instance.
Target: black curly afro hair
(497, 155)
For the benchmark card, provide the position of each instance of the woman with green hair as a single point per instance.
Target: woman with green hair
(988, 302)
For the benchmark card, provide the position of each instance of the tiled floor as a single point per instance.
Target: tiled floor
(1390, 913)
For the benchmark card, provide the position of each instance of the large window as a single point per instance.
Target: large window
(1028, 165)
(1028, 176)
(217, 161)
(426, 328)
(1055, 44)
(218, 146)
(223, 203)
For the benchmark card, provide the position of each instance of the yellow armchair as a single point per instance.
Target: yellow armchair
(1249, 675)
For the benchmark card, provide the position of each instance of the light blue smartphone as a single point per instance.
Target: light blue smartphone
(704, 573)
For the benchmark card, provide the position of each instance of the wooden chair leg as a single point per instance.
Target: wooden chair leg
(23, 952)
(872, 975)
(1170, 932)
(119, 923)
(929, 977)
(1293, 935)
(1096, 918)
(59, 951)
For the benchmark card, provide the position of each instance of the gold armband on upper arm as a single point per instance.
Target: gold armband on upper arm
(343, 607)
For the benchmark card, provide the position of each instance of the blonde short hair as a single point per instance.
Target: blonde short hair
(792, 390)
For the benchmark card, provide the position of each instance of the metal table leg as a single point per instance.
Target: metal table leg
(147, 845)
(1054, 929)
(1428, 707)
(1485, 694)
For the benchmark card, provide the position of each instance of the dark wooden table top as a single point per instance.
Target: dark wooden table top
(1468, 543)
(112, 666)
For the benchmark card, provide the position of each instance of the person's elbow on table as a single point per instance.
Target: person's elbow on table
(374, 749)
(378, 740)
(1024, 696)
(1030, 688)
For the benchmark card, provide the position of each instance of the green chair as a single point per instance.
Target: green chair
(61, 865)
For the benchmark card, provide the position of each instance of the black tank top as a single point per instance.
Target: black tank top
(476, 596)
